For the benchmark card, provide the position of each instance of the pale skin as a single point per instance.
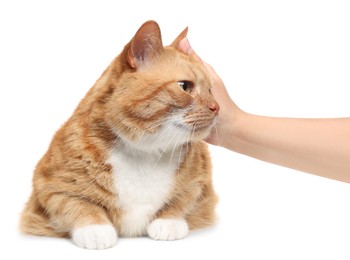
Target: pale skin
(316, 146)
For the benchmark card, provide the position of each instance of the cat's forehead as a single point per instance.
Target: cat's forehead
(180, 64)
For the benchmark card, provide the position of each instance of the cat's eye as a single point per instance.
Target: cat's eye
(185, 85)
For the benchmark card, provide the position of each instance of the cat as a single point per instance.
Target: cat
(130, 161)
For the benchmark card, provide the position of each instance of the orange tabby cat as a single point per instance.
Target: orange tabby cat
(130, 160)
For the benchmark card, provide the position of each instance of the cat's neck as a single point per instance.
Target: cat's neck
(167, 140)
(145, 147)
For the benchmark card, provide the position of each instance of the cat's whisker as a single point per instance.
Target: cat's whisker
(216, 134)
(166, 146)
(160, 136)
(187, 161)
(193, 130)
(169, 123)
(160, 156)
(180, 137)
(175, 146)
(188, 143)
(216, 130)
(166, 121)
(157, 124)
(179, 161)
(180, 153)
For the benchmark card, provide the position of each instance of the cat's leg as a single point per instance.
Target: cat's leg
(168, 229)
(170, 223)
(35, 220)
(203, 212)
(87, 223)
(187, 210)
(95, 236)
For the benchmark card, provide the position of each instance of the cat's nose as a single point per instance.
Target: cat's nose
(214, 107)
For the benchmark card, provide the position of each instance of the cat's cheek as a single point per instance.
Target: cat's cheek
(95, 236)
(168, 229)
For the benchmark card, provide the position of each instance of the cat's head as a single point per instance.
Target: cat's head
(160, 96)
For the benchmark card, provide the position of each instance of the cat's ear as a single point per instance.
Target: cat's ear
(146, 44)
(177, 43)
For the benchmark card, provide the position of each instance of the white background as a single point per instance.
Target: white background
(277, 58)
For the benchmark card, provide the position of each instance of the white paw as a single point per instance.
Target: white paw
(95, 236)
(168, 229)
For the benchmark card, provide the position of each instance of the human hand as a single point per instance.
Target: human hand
(229, 111)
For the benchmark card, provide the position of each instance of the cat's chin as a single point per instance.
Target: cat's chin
(197, 133)
(166, 139)
(202, 132)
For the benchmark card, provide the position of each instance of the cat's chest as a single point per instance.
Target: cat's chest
(143, 184)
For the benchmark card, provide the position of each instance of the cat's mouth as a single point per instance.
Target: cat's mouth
(197, 129)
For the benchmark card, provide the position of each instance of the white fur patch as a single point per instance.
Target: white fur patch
(168, 229)
(95, 236)
(143, 183)
(173, 133)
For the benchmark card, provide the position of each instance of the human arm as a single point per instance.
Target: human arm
(317, 146)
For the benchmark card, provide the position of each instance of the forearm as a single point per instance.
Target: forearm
(317, 146)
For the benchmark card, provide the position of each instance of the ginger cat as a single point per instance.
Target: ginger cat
(130, 160)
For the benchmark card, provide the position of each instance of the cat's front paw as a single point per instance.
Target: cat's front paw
(95, 236)
(168, 229)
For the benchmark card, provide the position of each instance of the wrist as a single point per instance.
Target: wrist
(233, 129)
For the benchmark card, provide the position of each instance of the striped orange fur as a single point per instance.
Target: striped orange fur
(130, 160)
